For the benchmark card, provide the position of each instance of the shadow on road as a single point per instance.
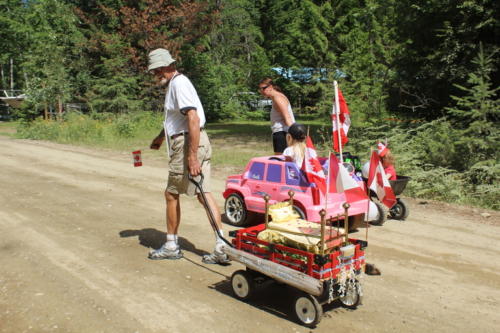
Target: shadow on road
(153, 238)
(275, 298)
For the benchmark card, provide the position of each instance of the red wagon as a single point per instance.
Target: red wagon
(321, 278)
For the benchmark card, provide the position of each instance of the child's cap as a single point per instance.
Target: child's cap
(297, 131)
(382, 149)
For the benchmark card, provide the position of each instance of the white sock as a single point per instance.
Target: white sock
(171, 243)
(219, 244)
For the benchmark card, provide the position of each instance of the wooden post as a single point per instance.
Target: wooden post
(331, 227)
(346, 222)
(59, 108)
(266, 200)
(45, 112)
(322, 213)
(291, 194)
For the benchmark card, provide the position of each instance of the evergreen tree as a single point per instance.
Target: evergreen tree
(477, 114)
(227, 72)
(298, 47)
(15, 40)
(440, 39)
(50, 54)
(363, 40)
(121, 34)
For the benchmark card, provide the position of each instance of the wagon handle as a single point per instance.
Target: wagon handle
(211, 217)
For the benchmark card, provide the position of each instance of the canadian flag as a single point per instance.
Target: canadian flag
(341, 181)
(312, 168)
(378, 182)
(340, 126)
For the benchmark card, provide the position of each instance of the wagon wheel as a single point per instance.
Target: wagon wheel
(236, 210)
(308, 310)
(400, 210)
(382, 213)
(352, 298)
(243, 285)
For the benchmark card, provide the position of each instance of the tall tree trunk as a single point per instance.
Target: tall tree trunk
(25, 79)
(59, 108)
(2, 76)
(11, 74)
(45, 112)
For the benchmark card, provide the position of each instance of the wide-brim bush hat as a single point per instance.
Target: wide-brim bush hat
(159, 58)
(297, 131)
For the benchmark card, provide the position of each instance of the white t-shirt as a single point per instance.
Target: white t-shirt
(181, 95)
(289, 151)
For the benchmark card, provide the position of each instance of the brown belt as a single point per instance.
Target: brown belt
(183, 133)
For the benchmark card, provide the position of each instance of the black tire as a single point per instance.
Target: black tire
(400, 210)
(300, 212)
(236, 210)
(307, 310)
(382, 213)
(243, 285)
(352, 298)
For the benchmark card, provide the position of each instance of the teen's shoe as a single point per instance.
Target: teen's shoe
(216, 257)
(164, 253)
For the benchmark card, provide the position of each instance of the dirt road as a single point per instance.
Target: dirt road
(76, 225)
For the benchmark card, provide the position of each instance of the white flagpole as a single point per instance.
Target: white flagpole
(367, 225)
(337, 113)
(328, 181)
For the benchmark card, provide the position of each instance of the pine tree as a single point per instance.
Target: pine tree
(440, 40)
(363, 40)
(477, 114)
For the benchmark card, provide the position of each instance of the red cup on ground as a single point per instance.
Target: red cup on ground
(137, 158)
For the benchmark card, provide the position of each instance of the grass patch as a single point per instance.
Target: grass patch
(235, 143)
(8, 128)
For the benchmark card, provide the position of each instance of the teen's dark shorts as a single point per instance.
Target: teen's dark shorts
(279, 141)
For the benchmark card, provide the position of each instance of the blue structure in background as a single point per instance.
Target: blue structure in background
(307, 74)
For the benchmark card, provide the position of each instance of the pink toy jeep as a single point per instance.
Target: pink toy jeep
(271, 175)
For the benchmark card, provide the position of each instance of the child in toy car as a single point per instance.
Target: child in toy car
(295, 139)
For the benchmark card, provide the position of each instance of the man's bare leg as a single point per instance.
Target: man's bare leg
(218, 256)
(171, 249)
(173, 212)
(213, 207)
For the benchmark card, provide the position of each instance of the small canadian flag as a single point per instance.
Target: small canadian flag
(137, 158)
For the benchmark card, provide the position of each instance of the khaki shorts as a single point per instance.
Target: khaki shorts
(178, 181)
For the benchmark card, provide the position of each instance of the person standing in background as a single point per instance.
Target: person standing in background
(281, 113)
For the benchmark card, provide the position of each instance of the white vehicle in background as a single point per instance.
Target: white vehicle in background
(253, 101)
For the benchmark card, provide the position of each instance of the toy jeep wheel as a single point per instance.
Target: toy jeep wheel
(236, 211)
(242, 284)
(382, 213)
(299, 212)
(352, 298)
(308, 310)
(400, 210)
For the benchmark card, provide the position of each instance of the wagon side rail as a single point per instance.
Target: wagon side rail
(277, 271)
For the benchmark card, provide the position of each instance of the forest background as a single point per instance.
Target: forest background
(423, 74)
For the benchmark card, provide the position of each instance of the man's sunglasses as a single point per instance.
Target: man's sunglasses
(264, 87)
